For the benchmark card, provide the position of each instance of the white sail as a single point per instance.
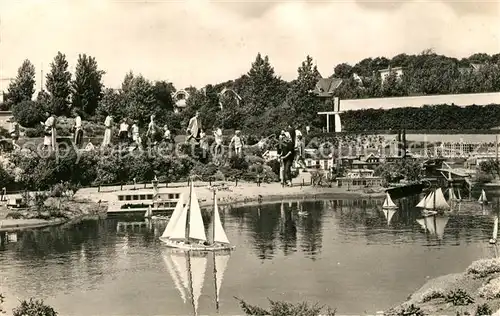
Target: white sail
(421, 204)
(176, 276)
(435, 225)
(439, 200)
(196, 227)
(219, 233)
(174, 218)
(149, 213)
(181, 268)
(389, 213)
(338, 124)
(451, 194)
(495, 228)
(179, 229)
(198, 268)
(483, 198)
(388, 203)
(221, 261)
(429, 201)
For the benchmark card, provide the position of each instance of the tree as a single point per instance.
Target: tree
(29, 113)
(163, 94)
(299, 96)
(343, 71)
(23, 86)
(87, 86)
(59, 85)
(264, 88)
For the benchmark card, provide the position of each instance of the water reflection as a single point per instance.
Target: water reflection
(189, 269)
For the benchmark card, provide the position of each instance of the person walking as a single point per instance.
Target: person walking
(123, 133)
(78, 132)
(14, 132)
(218, 141)
(108, 122)
(194, 128)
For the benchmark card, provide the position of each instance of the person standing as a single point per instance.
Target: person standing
(123, 134)
(237, 142)
(108, 122)
(78, 135)
(151, 132)
(14, 133)
(300, 152)
(167, 136)
(287, 160)
(194, 128)
(218, 141)
(49, 140)
(135, 134)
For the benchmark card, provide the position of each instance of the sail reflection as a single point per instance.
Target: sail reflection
(188, 270)
(434, 224)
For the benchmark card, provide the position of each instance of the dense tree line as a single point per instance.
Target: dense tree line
(435, 117)
(268, 103)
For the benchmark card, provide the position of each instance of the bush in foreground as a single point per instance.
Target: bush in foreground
(30, 308)
(279, 308)
(483, 310)
(459, 298)
(490, 290)
(484, 267)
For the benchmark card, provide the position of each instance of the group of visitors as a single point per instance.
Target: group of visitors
(129, 135)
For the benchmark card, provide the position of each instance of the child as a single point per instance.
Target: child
(237, 142)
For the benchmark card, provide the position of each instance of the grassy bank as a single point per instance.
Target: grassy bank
(53, 211)
(473, 292)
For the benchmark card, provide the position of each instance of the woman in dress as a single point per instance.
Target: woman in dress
(107, 131)
(49, 141)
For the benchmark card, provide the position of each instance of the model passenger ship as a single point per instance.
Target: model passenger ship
(185, 229)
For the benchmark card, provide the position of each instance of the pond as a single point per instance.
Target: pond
(340, 253)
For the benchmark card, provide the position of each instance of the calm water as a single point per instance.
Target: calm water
(341, 254)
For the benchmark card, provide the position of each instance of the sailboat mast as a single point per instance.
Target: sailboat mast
(190, 280)
(215, 283)
(213, 221)
(189, 210)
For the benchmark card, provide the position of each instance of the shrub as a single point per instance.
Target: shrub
(459, 298)
(483, 310)
(205, 172)
(484, 267)
(490, 290)
(37, 131)
(28, 113)
(279, 308)
(432, 294)
(33, 308)
(411, 310)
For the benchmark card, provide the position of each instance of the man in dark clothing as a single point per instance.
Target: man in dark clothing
(287, 158)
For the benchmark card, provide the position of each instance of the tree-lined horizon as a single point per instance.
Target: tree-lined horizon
(268, 102)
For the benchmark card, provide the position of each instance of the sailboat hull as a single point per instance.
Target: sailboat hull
(198, 247)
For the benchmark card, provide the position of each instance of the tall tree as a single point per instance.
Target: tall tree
(163, 94)
(59, 84)
(343, 71)
(23, 86)
(299, 95)
(265, 89)
(87, 86)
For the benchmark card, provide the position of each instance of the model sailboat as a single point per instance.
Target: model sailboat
(482, 198)
(433, 203)
(185, 229)
(493, 239)
(188, 269)
(389, 208)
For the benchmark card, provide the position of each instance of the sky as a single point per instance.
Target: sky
(197, 42)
